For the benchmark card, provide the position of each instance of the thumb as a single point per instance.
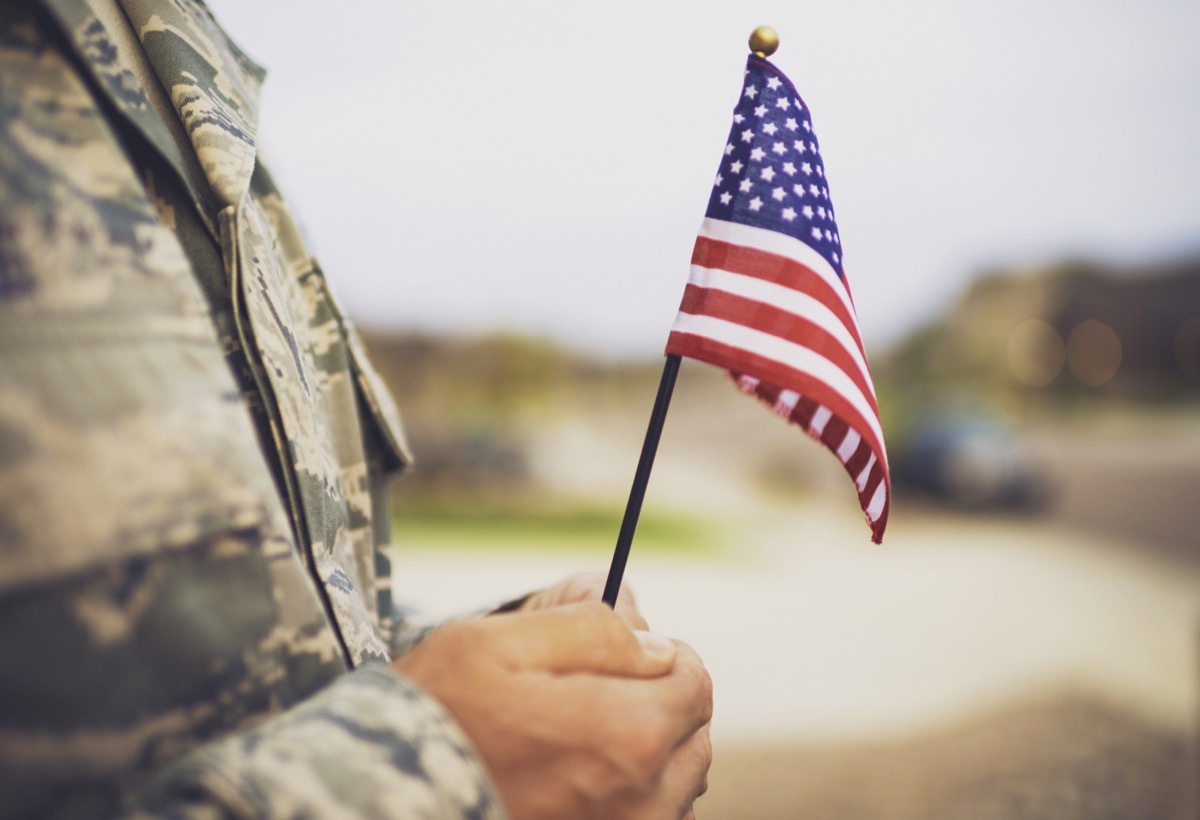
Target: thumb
(584, 637)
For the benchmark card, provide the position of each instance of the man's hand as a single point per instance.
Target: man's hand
(574, 714)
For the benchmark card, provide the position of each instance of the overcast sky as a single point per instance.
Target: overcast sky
(544, 166)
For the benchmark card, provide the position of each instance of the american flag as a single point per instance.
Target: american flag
(768, 299)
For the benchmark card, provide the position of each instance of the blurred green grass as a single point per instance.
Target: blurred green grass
(554, 526)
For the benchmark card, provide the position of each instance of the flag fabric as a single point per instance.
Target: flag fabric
(767, 298)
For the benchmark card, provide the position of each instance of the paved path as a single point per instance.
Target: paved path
(813, 634)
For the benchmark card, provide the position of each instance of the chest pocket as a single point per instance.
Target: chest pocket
(322, 392)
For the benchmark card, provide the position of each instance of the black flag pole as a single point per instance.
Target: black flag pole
(763, 42)
(641, 478)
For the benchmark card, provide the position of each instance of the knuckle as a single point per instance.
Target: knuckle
(648, 744)
(638, 748)
(706, 693)
(706, 751)
(632, 617)
(698, 675)
(611, 639)
(587, 584)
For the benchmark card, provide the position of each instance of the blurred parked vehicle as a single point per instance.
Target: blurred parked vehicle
(973, 462)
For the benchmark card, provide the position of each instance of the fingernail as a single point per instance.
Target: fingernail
(655, 645)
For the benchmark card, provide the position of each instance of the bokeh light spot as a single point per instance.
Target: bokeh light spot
(1093, 352)
(1035, 353)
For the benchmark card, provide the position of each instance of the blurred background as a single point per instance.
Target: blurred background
(505, 198)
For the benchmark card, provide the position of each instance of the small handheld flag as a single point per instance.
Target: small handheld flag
(767, 298)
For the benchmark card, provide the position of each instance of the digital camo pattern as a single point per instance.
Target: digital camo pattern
(212, 85)
(283, 312)
(369, 726)
(155, 607)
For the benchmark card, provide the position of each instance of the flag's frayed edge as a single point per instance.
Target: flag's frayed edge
(749, 385)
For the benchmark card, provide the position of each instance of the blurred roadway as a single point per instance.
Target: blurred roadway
(971, 667)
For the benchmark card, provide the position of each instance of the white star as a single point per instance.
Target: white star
(798, 190)
(835, 257)
(779, 148)
(770, 128)
(728, 148)
(791, 124)
(824, 193)
(789, 214)
(806, 169)
(815, 190)
(820, 171)
(813, 146)
(768, 173)
(739, 119)
(782, 103)
(828, 235)
(807, 210)
(717, 182)
(758, 112)
(800, 146)
(747, 135)
(736, 166)
(789, 169)
(751, 92)
(807, 126)
(778, 194)
(773, 83)
(821, 211)
(745, 186)
(837, 239)
(757, 154)
(816, 233)
(755, 204)
(725, 197)
(799, 105)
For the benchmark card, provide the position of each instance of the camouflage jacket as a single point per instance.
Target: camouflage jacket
(193, 619)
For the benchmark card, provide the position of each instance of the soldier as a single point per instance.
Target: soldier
(194, 607)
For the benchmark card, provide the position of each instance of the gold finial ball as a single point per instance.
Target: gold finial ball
(764, 41)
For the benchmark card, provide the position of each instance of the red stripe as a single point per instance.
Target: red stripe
(833, 434)
(806, 408)
(769, 393)
(700, 301)
(769, 267)
(769, 370)
(858, 459)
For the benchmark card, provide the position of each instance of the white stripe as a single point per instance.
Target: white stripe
(781, 245)
(820, 418)
(875, 508)
(785, 353)
(786, 402)
(787, 299)
(849, 445)
(860, 480)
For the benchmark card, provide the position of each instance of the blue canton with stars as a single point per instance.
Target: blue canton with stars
(772, 175)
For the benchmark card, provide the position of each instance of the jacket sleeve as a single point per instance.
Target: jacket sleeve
(370, 745)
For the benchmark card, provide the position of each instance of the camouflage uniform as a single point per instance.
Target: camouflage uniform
(192, 457)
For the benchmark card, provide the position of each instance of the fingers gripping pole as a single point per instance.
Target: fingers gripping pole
(641, 478)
